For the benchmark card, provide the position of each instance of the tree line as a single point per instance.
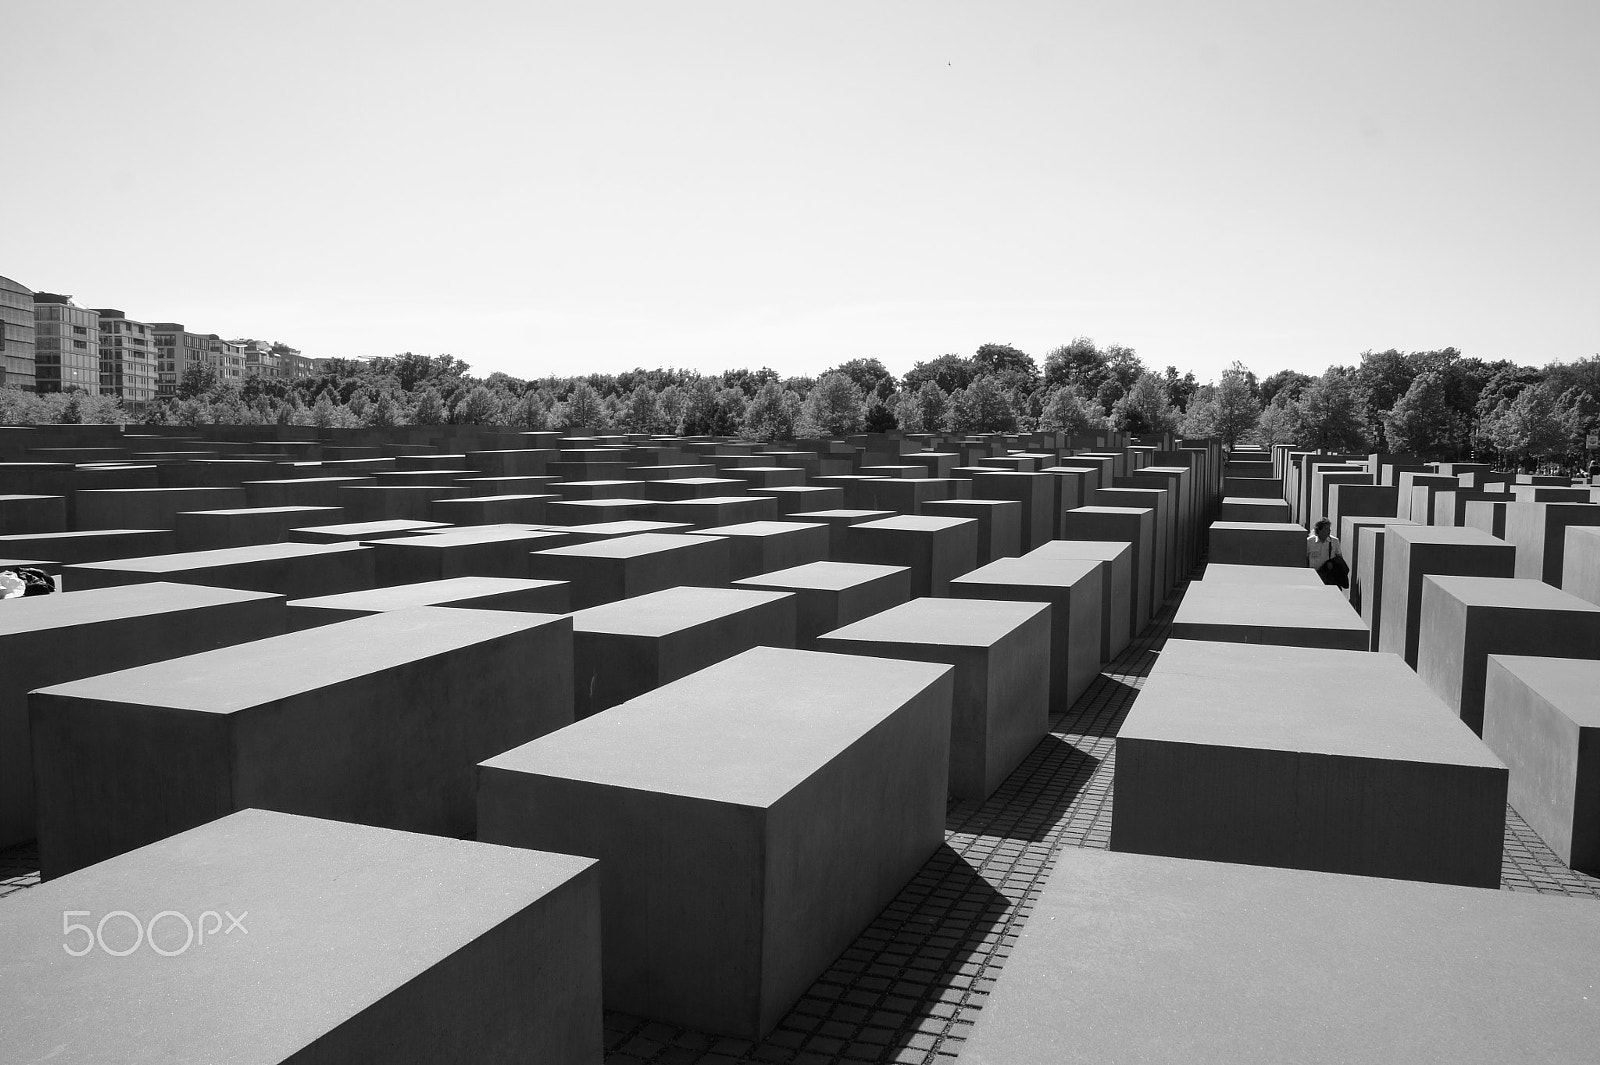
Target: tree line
(1435, 404)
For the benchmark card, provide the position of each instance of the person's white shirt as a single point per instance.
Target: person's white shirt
(1319, 551)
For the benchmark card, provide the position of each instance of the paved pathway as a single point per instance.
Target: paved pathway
(910, 987)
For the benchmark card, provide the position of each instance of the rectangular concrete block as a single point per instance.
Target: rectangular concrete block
(625, 649)
(623, 567)
(97, 545)
(829, 595)
(1116, 586)
(292, 569)
(526, 508)
(476, 593)
(1466, 619)
(32, 514)
(1580, 562)
(410, 502)
(801, 498)
(213, 530)
(1340, 761)
(1350, 543)
(1412, 552)
(476, 551)
(148, 508)
(1240, 509)
(379, 721)
(1284, 613)
(1437, 973)
(341, 943)
(719, 510)
(749, 820)
(1128, 525)
(51, 639)
(935, 549)
(763, 546)
(1239, 543)
(838, 522)
(1072, 587)
(354, 531)
(1488, 515)
(1538, 532)
(1001, 654)
(1541, 716)
(999, 523)
(1163, 533)
(1034, 491)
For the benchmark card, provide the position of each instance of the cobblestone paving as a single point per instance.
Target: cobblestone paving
(910, 987)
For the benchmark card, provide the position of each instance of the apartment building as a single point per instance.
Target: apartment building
(177, 349)
(16, 335)
(127, 358)
(228, 359)
(66, 344)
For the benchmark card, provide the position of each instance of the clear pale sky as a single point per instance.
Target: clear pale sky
(590, 186)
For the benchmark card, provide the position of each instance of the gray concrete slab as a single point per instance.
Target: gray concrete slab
(213, 530)
(50, 639)
(1542, 717)
(1001, 654)
(749, 820)
(622, 567)
(1580, 563)
(354, 531)
(1116, 586)
(1340, 761)
(525, 508)
(341, 943)
(624, 649)
(1412, 552)
(474, 551)
(719, 510)
(832, 594)
(1538, 532)
(1241, 543)
(1466, 619)
(1072, 587)
(292, 569)
(999, 523)
(1241, 509)
(1133, 526)
(1248, 966)
(1267, 612)
(476, 593)
(379, 720)
(935, 549)
(96, 545)
(763, 546)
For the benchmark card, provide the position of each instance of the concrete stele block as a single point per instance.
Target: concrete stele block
(1240, 543)
(1466, 619)
(1072, 587)
(292, 569)
(1538, 532)
(477, 551)
(1580, 563)
(1294, 613)
(1132, 526)
(1340, 761)
(1412, 552)
(749, 820)
(1239, 509)
(935, 549)
(476, 593)
(831, 594)
(1001, 654)
(763, 546)
(381, 946)
(1248, 966)
(999, 523)
(623, 567)
(51, 639)
(622, 650)
(1541, 715)
(379, 720)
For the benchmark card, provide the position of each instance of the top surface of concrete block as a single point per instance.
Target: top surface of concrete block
(317, 948)
(1280, 576)
(916, 523)
(1310, 700)
(746, 731)
(942, 622)
(1249, 964)
(626, 527)
(1042, 571)
(481, 534)
(1260, 527)
(1104, 550)
(1513, 593)
(1572, 685)
(821, 576)
(225, 556)
(1444, 534)
(424, 593)
(760, 528)
(357, 529)
(235, 678)
(67, 609)
(669, 610)
(633, 546)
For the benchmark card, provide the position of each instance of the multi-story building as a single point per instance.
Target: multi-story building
(297, 365)
(260, 360)
(227, 358)
(66, 344)
(16, 335)
(127, 358)
(177, 349)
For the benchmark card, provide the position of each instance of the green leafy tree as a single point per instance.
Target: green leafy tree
(1064, 411)
(949, 372)
(582, 409)
(1330, 413)
(480, 406)
(1237, 409)
(981, 407)
(1291, 383)
(878, 416)
(1528, 426)
(430, 409)
(869, 375)
(1181, 389)
(1145, 407)
(1078, 365)
(669, 408)
(1421, 421)
(1282, 421)
(772, 413)
(532, 411)
(835, 405)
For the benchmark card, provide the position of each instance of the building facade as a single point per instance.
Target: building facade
(17, 348)
(227, 359)
(127, 358)
(260, 360)
(177, 349)
(66, 345)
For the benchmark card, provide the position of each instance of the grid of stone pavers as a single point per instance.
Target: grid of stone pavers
(910, 987)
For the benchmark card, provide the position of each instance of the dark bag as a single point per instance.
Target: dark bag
(36, 581)
(1335, 571)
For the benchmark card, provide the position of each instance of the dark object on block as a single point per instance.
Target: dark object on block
(19, 582)
(1335, 571)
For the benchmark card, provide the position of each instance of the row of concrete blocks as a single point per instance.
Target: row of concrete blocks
(716, 799)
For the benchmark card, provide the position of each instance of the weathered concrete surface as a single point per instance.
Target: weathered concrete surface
(379, 720)
(1542, 716)
(831, 594)
(1248, 966)
(1297, 614)
(1466, 619)
(749, 820)
(477, 551)
(353, 944)
(1240, 543)
(1001, 654)
(1340, 761)
(622, 650)
(51, 639)
(1243, 509)
(1116, 586)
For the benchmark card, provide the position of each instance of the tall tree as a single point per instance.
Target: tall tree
(835, 405)
(949, 372)
(981, 407)
(1421, 422)
(1144, 407)
(1330, 413)
(1064, 411)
